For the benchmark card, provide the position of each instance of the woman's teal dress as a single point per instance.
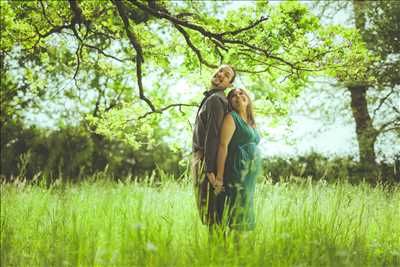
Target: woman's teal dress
(242, 166)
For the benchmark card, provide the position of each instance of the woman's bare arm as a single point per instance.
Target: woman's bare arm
(227, 130)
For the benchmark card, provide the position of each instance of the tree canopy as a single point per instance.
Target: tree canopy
(117, 60)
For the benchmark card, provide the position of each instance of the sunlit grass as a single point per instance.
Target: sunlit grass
(106, 223)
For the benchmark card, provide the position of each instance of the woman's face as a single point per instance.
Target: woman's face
(239, 100)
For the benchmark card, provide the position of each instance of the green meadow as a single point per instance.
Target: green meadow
(127, 223)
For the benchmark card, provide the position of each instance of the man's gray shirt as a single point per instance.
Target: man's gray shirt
(207, 128)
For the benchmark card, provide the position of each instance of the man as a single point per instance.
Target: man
(205, 145)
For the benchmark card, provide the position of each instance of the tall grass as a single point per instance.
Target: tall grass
(104, 223)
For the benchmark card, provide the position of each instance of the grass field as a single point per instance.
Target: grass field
(104, 223)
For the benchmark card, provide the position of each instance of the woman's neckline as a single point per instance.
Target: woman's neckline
(243, 119)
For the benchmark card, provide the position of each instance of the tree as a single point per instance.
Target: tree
(281, 45)
(108, 50)
(374, 85)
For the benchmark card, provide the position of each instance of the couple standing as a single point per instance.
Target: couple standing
(225, 157)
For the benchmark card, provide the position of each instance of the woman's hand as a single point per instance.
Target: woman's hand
(219, 185)
(211, 178)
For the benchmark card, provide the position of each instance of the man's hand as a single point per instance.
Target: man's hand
(211, 178)
(219, 186)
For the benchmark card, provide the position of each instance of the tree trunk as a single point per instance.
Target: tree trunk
(99, 155)
(366, 133)
(359, 14)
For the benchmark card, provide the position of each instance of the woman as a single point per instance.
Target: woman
(238, 162)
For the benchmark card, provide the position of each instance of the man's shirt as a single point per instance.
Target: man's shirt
(207, 128)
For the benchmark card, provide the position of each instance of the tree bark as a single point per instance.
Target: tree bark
(366, 133)
(359, 14)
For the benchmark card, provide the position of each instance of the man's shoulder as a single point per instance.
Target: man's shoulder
(216, 99)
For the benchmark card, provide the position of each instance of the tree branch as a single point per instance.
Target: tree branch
(101, 51)
(389, 129)
(385, 127)
(195, 50)
(251, 71)
(382, 101)
(114, 101)
(131, 36)
(162, 15)
(396, 110)
(262, 63)
(77, 18)
(97, 105)
(56, 29)
(264, 51)
(78, 54)
(215, 37)
(235, 32)
(139, 53)
(221, 57)
(165, 108)
(44, 13)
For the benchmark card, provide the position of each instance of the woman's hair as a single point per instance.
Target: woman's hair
(249, 109)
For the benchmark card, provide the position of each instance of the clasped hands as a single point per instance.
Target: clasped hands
(216, 182)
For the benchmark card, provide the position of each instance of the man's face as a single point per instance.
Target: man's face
(222, 77)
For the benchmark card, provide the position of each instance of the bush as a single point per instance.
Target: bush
(317, 166)
(72, 153)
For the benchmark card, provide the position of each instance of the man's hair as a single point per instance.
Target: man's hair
(234, 74)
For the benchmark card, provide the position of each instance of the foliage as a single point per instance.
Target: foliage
(316, 166)
(72, 154)
(81, 56)
(108, 57)
(374, 60)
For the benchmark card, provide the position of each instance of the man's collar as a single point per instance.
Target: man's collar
(214, 90)
(221, 92)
